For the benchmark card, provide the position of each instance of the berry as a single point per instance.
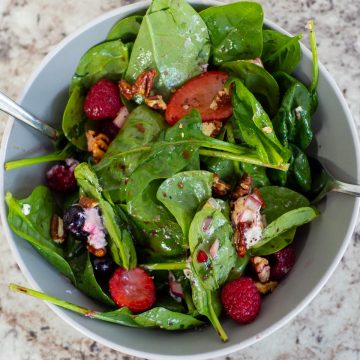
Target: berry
(241, 300)
(132, 288)
(104, 266)
(109, 129)
(201, 256)
(102, 101)
(61, 178)
(281, 263)
(74, 220)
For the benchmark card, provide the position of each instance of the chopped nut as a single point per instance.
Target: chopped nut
(211, 128)
(96, 252)
(298, 112)
(239, 239)
(267, 287)
(219, 187)
(87, 202)
(243, 188)
(221, 98)
(261, 267)
(57, 229)
(141, 87)
(97, 144)
(156, 102)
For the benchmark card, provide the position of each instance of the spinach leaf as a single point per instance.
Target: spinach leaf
(280, 52)
(207, 303)
(257, 173)
(279, 200)
(286, 222)
(106, 60)
(85, 277)
(235, 31)
(142, 127)
(292, 123)
(126, 29)
(258, 81)
(239, 268)
(74, 121)
(160, 235)
(222, 167)
(122, 251)
(255, 126)
(173, 39)
(211, 232)
(30, 218)
(153, 318)
(183, 193)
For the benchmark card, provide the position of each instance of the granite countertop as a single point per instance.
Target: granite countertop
(327, 329)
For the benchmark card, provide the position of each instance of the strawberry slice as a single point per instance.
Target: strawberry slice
(132, 288)
(204, 93)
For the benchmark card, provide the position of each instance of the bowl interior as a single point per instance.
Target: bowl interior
(320, 246)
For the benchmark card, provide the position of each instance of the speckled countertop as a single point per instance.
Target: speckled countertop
(329, 328)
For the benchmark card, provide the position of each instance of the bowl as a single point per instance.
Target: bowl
(319, 247)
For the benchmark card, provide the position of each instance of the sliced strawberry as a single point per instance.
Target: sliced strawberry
(132, 288)
(204, 93)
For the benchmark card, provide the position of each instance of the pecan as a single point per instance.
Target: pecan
(57, 229)
(243, 188)
(261, 267)
(97, 144)
(220, 188)
(96, 252)
(239, 239)
(141, 87)
(267, 287)
(211, 128)
(87, 202)
(155, 102)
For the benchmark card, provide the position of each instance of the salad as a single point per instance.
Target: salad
(181, 175)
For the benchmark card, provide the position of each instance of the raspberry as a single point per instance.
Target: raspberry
(241, 300)
(61, 178)
(132, 288)
(281, 263)
(102, 101)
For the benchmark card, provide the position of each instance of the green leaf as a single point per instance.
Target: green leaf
(211, 229)
(258, 81)
(30, 218)
(153, 318)
(183, 193)
(121, 251)
(173, 39)
(107, 60)
(235, 31)
(126, 29)
(286, 222)
(74, 121)
(280, 52)
(142, 127)
(255, 126)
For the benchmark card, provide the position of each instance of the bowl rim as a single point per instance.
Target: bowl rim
(63, 314)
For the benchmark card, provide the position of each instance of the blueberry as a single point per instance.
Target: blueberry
(74, 219)
(104, 266)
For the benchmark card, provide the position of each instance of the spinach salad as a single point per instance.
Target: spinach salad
(182, 168)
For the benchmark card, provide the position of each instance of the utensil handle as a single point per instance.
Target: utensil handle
(12, 108)
(346, 188)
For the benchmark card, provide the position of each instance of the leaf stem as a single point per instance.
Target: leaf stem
(231, 138)
(165, 266)
(241, 158)
(216, 323)
(315, 62)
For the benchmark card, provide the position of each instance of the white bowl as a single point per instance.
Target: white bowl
(320, 246)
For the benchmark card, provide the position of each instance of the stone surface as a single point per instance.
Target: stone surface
(327, 329)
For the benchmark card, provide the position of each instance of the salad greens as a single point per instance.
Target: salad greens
(167, 194)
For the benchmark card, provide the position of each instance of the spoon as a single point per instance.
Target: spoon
(324, 182)
(12, 108)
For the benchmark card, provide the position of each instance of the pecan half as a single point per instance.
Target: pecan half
(267, 287)
(96, 252)
(243, 188)
(220, 188)
(261, 267)
(97, 144)
(57, 231)
(141, 87)
(155, 102)
(87, 202)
